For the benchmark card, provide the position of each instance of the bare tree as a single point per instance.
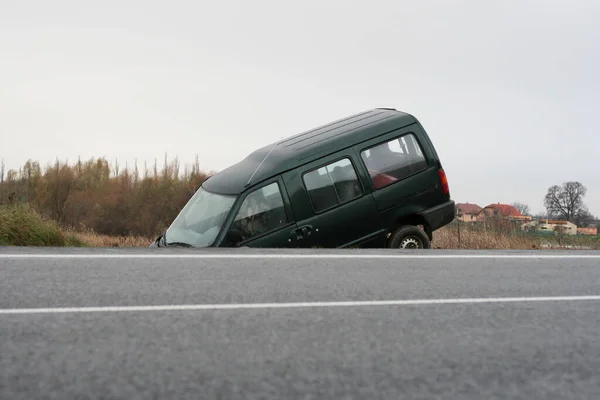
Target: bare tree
(522, 208)
(583, 219)
(541, 215)
(566, 202)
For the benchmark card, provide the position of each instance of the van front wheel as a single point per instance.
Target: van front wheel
(409, 237)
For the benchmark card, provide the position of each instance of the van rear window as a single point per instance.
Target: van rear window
(394, 160)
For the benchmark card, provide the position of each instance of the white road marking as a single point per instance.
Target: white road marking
(195, 307)
(596, 255)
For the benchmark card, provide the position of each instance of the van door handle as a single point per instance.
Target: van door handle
(306, 230)
(302, 232)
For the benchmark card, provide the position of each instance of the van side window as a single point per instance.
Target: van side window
(332, 184)
(394, 160)
(262, 211)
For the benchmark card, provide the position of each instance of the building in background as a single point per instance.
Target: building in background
(505, 216)
(499, 217)
(587, 231)
(502, 211)
(467, 212)
(551, 225)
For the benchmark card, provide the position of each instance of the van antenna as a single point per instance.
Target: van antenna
(261, 163)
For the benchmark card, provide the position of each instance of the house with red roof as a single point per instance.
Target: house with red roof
(467, 212)
(502, 211)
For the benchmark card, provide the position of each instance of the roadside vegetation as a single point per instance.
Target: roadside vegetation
(94, 203)
(95, 196)
(460, 235)
(93, 239)
(20, 225)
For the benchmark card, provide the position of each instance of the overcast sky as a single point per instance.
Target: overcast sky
(509, 91)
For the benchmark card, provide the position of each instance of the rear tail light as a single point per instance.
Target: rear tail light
(444, 181)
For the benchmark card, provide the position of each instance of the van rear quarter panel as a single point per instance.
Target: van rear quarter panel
(410, 195)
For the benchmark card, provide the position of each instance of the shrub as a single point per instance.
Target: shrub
(20, 225)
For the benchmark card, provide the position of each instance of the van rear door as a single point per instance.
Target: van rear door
(401, 170)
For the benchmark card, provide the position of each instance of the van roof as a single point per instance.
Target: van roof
(305, 147)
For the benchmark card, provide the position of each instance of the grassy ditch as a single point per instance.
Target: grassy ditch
(20, 225)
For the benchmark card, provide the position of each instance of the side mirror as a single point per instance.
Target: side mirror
(234, 236)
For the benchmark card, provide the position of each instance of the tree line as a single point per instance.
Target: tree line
(96, 195)
(563, 202)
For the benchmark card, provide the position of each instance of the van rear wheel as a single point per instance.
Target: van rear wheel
(409, 237)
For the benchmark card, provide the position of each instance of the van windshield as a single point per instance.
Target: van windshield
(200, 220)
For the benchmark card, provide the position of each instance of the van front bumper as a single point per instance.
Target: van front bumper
(439, 216)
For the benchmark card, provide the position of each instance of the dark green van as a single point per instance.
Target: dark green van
(372, 179)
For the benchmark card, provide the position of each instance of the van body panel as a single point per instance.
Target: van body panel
(334, 211)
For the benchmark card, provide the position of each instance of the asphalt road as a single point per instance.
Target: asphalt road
(150, 323)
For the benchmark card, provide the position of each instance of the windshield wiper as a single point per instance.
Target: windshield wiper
(174, 244)
(179, 244)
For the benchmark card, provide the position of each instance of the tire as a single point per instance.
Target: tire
(409, 237)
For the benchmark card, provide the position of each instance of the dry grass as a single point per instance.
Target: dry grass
(448, 238)
(21, 225)
(473, 239)
(93, 239)
(444, 238)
